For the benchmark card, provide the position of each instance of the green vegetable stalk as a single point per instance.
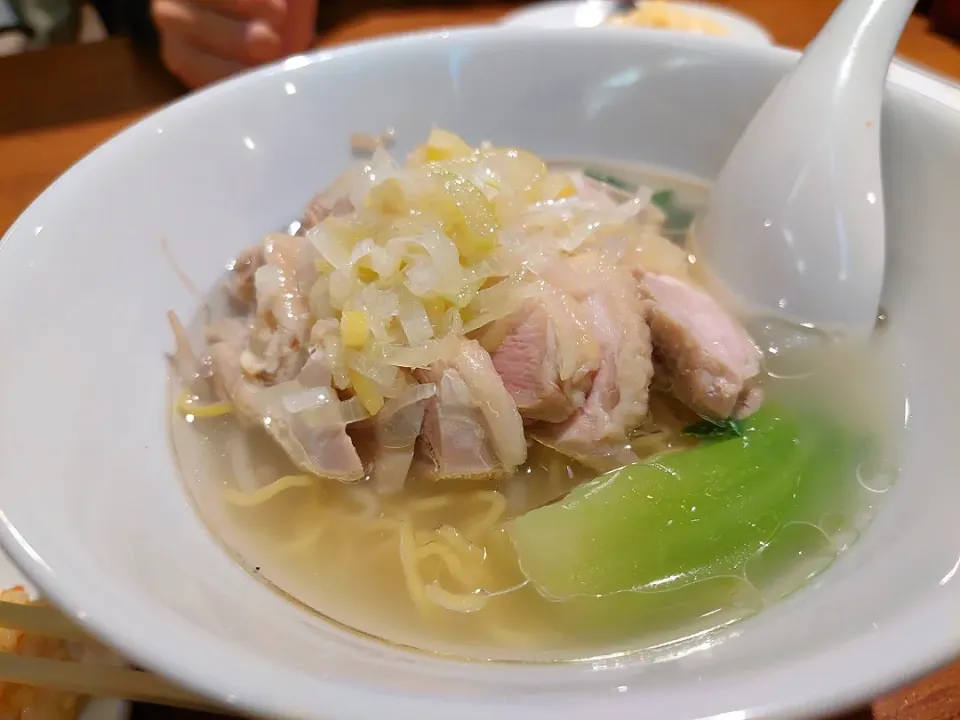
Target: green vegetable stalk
(679, 528)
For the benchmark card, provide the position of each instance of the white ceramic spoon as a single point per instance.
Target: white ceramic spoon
(794, 228)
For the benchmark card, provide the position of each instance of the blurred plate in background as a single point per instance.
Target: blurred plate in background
(592, 13)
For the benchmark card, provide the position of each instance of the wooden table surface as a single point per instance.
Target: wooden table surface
(57, 105)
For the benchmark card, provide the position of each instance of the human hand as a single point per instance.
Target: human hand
(202, 41)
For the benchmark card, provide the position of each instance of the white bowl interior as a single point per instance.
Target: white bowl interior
(94, 512)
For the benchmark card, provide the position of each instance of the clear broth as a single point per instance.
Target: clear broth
(308, 544)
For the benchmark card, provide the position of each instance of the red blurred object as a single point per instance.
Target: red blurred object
(945, 18)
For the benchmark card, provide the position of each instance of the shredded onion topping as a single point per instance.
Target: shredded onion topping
(410, 258)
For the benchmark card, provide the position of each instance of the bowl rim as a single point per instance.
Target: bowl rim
(211, 670)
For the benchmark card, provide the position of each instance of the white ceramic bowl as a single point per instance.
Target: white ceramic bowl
(559, 14)
(94, 513)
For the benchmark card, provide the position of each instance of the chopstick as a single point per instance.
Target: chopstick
(82, 678)
(39, 620)
(98, 681)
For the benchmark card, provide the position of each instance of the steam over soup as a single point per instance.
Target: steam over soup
(483, 407)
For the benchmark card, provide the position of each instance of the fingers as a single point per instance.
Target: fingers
(194, 66)
(272, 12)
(226, 37)
(299, 26)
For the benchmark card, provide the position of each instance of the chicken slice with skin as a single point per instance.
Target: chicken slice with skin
(546, 356)
(471, 428)
(322, 206)
(388, 440)
(240, 285)
(709, 361)
(598, 434)
(313, 435)
(281, 325)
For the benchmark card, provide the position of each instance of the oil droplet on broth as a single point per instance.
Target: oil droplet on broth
(840, 528)
(876, 474)
(790, 352)
(796, 553)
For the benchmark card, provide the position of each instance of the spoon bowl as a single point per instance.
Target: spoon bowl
(795, 224)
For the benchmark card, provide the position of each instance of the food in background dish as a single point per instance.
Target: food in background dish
(665, 15)
(482, 405)
(23, 702)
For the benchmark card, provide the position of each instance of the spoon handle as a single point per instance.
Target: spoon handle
(852, 54)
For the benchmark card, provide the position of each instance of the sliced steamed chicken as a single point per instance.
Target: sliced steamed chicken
(307, 422)
(240, 285)
(349, 190)
(472, 428)
(388, 441)
(545, 355)
(706, 356)
(599, 433)
(324, 205)
(276, 348)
